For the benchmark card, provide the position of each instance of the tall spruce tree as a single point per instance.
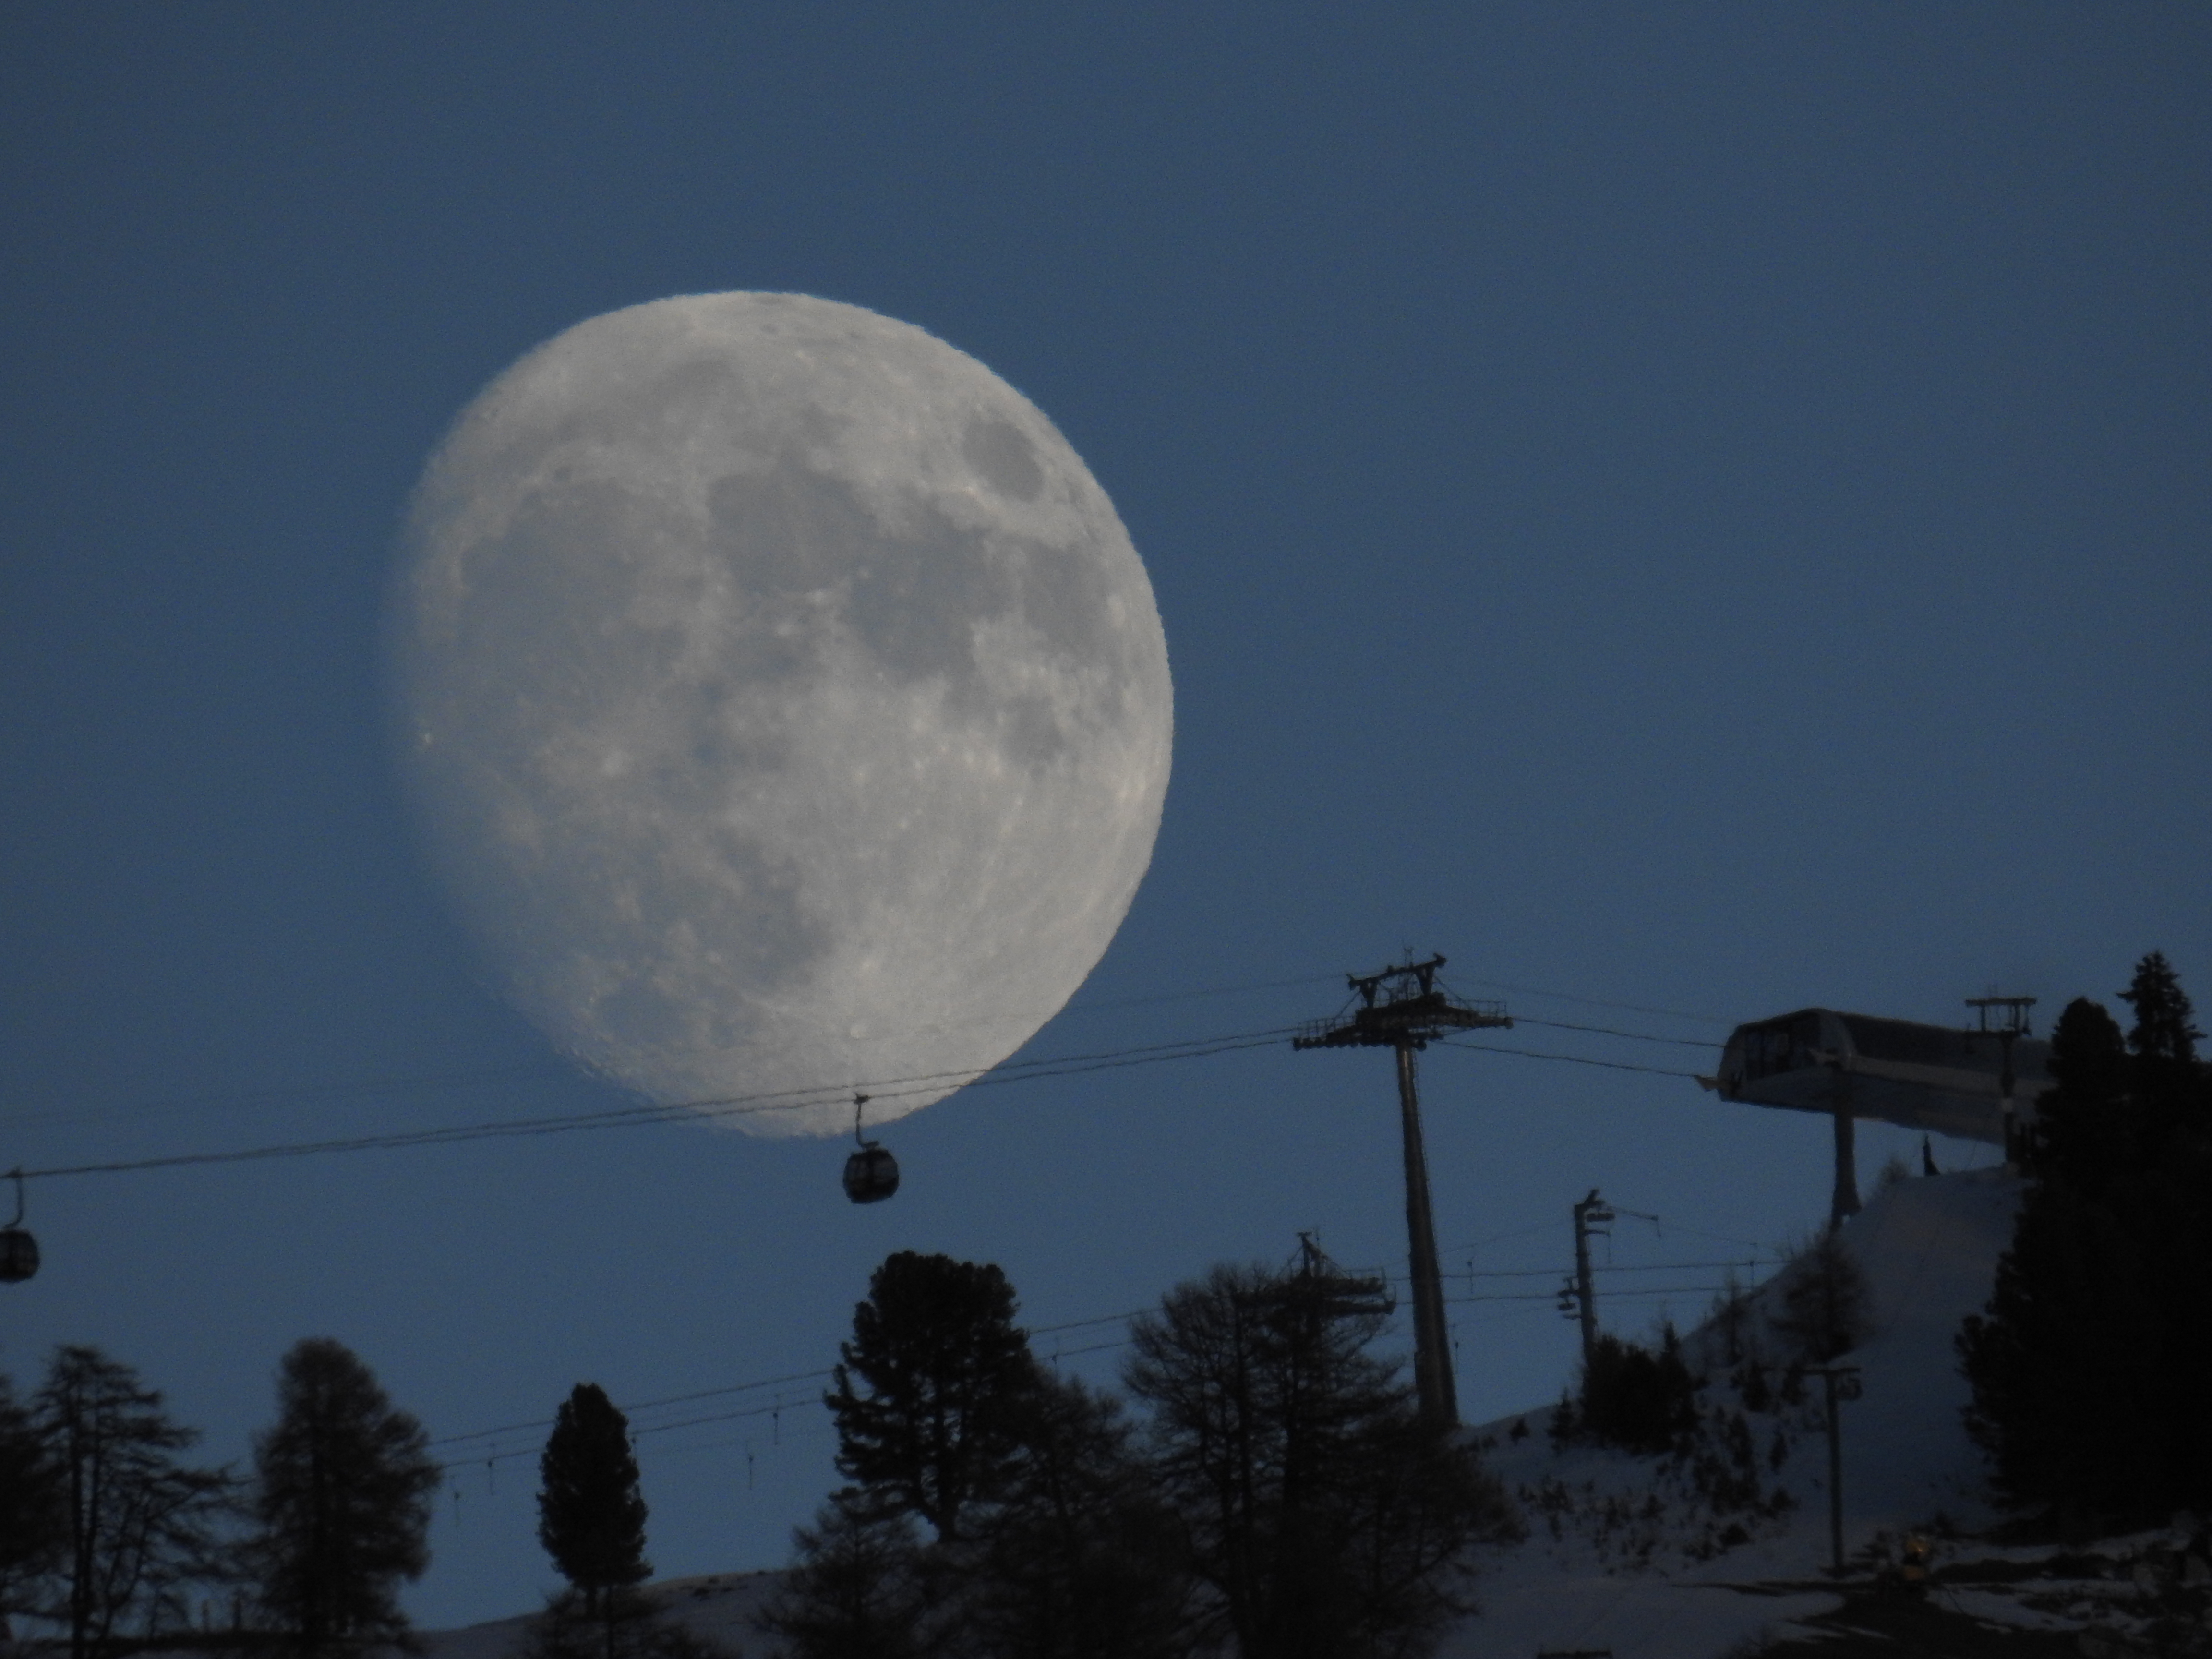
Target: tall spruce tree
(2165, 1033)
(2088, 1367)
(591, 1515)
(942, 1374)
(343, 1499)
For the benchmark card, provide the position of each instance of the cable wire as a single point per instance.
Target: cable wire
(733, 1106)
(1573, 1060)
(785, 1100)
(527, 1071)
(1608, 1030)
(1596, 1002)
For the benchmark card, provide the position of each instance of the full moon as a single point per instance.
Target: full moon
(787, 709)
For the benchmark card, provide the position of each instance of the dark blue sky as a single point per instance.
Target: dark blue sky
(1697, 507)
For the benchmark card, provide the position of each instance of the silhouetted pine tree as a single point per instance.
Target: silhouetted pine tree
(591, 1515)
(343, 1497)
(2165, 1035)
(2089, 1367)
(945, 1371)
(1049, 1543)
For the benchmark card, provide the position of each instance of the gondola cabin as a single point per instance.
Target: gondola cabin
(19, 1255)
(872, 1175)
(19, 1251)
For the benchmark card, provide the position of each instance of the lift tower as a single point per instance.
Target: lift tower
(1400, 1008)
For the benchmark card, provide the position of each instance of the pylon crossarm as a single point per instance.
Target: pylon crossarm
(1415, 1023)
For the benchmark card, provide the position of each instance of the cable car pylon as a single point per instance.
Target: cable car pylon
(1402, 1009)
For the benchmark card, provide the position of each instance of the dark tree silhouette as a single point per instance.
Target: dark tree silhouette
(137, 1525)
(1319, 1513)
(1048, 1540)
(623, 1624)
(591, 1515)
(1078, 1558)
(860, 1586)
(32, 1518)
(2089, 1367)
(1824, 1310)
(943, 1371)
(2165, 1035)
(343, 1499)
(1631, 1396)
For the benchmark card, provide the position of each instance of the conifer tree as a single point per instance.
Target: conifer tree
(342, 1498)
(2089, 1367)
(2082, 1137)
(943, 1373)
(2165, 1033)
(591, 1515)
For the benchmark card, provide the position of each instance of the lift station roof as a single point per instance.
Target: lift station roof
(1932, 1077)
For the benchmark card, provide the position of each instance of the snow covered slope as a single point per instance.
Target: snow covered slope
(1634, 1554)
(1929, 1249)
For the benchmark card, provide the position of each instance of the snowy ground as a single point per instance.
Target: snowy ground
(1626, 1553)
(1653, 1559)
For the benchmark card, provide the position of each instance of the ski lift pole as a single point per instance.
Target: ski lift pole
(1591, 1215)
(1843, 1385)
